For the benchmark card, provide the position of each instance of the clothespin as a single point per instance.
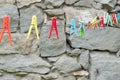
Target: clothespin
(89, 25)
(82, 29)
(73, 27)
(54, 26)
(93, 21)
(114, 18)
(109, 21)
(118, 16)
(33, 24)
(102, 22)
(6, 27)
(105, 17)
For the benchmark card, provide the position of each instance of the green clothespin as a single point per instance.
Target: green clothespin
(82, 29)
(109, 21)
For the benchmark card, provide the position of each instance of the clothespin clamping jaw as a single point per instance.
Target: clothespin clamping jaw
(54, 27)
(82, 29)
(73, 27)
(6, 27)
(33, 24)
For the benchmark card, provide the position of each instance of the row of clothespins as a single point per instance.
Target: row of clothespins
(6, 27)
(97, 22)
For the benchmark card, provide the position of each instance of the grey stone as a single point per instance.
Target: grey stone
(66, 78)
(84, 59)
(22, 3)
(41, 5)
(66, 64)
(74, 52)
(26, 17)
(102, 39)
(84, 3)
(97, 5)
(109, 3)
(104, 66)
(53, 59)
(12, 12)
(70, 2)
(24, 63)
(82, 78)
(54, 12)
(55, 3)
(32, 77)
(7, 1)
(52, 46)
(20, 44)
(118, 2)
(78, 15)
(50, 76)
(8, 77)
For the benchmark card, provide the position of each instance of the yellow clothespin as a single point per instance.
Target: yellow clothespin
(33, 24)
(92, 22)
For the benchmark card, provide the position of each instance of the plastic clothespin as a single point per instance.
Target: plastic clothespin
(89, 25)
(54, 26)
(33, 24)
(102, 24)
(105, 17)
(93, 21)
(82, 29)
(109, 21)
(73, 27)
(6, 27)
(114, 18)
(118, 16)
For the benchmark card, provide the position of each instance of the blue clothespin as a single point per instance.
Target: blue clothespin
(73, 27)
(82, 29)
(118, 16)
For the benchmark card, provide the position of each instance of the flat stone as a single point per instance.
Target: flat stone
(81, 73)
(24, 63)
(12, 12)
(26, 17)
(54, 12)
(102, 39)
(20, 44)
(52, 46)
(54, 3)
(84, 59)
(68, 64)
(8, 77)
(66, 78)
(70, 2)
(104, 66)
(84, 3)
(78, 15)
(32, 77)
(22, 3)
(7, 1)
(109, 3)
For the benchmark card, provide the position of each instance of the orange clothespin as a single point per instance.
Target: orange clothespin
(89, 25)
(54, 27)
(114, 18)
(6, 26)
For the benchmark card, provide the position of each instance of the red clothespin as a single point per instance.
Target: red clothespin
(102, 24)
(6, 26)
(114, 18)
(54, 26)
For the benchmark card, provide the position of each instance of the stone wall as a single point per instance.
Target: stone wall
(93, 57)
